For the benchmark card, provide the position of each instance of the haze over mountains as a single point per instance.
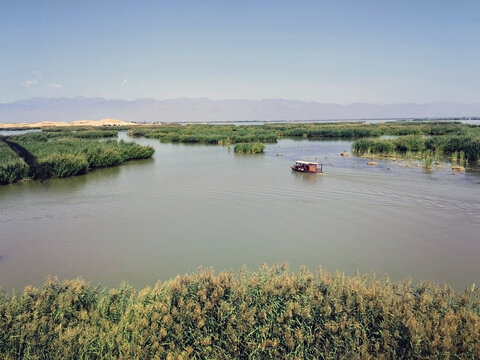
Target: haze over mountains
(204, 110)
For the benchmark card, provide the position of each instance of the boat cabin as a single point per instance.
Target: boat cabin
(307, 167)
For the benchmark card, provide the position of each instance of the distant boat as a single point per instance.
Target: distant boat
(307, 167)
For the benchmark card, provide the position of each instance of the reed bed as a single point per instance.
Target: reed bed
(81, 128)
(249, 148)
(58, 158)
(230, 134)
(268, 314)
(55, 133)
(12, 167)
(69, 156)
(84, 134)
(466, 143)
(206, 134)
(19, 128)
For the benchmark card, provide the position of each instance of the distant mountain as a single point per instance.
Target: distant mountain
(204, 110)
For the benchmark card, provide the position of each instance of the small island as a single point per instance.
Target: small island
(50, 154)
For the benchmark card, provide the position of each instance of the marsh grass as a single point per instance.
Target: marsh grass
(62, 157)
(84, 134)
(427, 159)
(206, 134)
(249, 148)
(411, 134)
(271, 313)
(12, 167)
(462, 147)
(53, 133)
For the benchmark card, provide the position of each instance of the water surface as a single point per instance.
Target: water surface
(197, 205)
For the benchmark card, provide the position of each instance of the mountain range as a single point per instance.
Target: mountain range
(205, 110)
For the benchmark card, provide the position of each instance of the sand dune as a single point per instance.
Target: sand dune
(102, 122)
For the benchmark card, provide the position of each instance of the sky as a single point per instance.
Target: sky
(386, 51)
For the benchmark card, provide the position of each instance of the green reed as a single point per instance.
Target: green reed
(68, 156)
(231, 134)
(206, 134)
(271, 313)
(249, 148)
(12, 166)
(84, 134)
(463, 146)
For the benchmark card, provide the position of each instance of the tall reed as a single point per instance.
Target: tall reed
(12, 166)
(62, 157)
(249, 148)
(268, 314)
(466, 145)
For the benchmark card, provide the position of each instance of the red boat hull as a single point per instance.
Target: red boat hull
(303, 171)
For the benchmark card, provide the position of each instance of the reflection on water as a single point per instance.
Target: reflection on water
(307, 178)
(17, 132)
(202, 205)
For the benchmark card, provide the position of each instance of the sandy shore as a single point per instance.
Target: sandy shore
(102, 122)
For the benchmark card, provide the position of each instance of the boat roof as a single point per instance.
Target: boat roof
(306, 162)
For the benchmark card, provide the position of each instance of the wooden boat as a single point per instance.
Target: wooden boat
(307, 167)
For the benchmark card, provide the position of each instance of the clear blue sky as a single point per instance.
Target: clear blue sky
(329, 51)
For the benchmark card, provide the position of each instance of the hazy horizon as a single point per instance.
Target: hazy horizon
(204, 110)
(151, 98)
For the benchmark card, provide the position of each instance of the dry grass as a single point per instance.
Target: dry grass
(272, 313)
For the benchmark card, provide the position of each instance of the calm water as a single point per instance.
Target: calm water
(197, 205)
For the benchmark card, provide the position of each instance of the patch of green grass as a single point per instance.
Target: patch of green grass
(249, 148)
(12, 166)
(466, 142)
(58, 164)
(81, 134)
(230, 134)
(62, 157)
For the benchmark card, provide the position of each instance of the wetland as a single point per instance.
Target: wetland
(196, 205)
(192, 204)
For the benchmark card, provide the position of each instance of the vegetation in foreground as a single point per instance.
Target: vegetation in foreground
(42, 157)
(249, 148)
(272, 313)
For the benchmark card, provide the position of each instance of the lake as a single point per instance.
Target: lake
(199, 205)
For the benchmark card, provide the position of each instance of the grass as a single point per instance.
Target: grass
(12, 167)
(249, 148)
(241, 136)
(69, 156)
(272, 313)
(59, 158)
(230, 134)
(84, 134)
(466, 143)
(206, 134)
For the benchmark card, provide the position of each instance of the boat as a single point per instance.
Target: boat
(307, 167)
